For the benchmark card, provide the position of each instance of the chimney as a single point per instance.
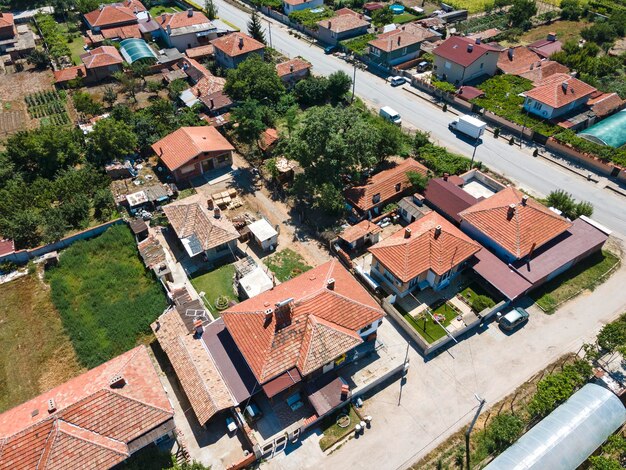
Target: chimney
(510, 212)
(532, 66)
(478, 40)
(398, 40)
(169, 29)
(268, 313)
(240, 42)
(330, 283)
(437, 231)
(198, 92)
(190, 12)
(407, 232)
(52, 407)
(217, 213)
(101, 7)
(564, 87)
(524, 199)
(330, 23)
(551, 36)
(510, 53)
(470, 47)
(212, 103)
(197, 325)
(149, 17)
(163, 17)
(445, 176)
(291, 68)
(117, 381)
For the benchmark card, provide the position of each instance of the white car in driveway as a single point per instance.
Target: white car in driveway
(397, 80)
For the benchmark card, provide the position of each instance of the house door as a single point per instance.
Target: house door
(208, 165)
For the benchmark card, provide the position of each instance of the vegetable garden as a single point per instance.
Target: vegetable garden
(49, 106)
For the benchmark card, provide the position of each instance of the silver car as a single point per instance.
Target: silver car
(515, 317)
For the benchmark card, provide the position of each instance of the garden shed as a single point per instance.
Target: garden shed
(568, 435)
(264, 234)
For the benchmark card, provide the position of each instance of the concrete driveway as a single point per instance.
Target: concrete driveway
(439, 395)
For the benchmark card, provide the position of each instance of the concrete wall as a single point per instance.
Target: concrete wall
(221, 251)
(586, 160)
(187, 41)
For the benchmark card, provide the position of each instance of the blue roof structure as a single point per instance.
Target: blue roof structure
(567, 436)
(136, 49)
(610, 131)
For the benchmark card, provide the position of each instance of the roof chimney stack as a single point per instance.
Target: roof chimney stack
(398, 40)
(217, 213)
(190, 12)
(478, 40)
(511, 211)
(212, 103)
(407, 232)
(510, 53)
(240, 42)
(52, 407)
(551, 36)
(163, 17)
(268, 313)
(524, 199)
(437, 231)
(470, 47)
(117, 381)
(564, 86)
(291, 68)
(445, 176)
(331, 283)
(197, 325)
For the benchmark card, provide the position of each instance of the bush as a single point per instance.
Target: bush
(481, 302)
(565, 202)
(439, 160)
(446, 87)
(311, 91)
(503, 431)
(603, 152)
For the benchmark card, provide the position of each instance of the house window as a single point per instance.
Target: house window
(376, 198)
(447, 65)
(375, 51)
(537, 105)
(481, 65)
(414, 282)
(222, 158)
(404, 51)
(398, 186)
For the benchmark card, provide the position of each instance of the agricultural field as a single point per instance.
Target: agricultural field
(32, 336)
(49, 106)
(105, 296)
(565, 31)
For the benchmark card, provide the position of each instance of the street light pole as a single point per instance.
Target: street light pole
(353, 78)
(474, 154)
(469, 430)
(270, 31)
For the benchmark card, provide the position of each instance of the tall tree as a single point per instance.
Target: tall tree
(109, 96)
(210, 9)
(521, 12)
(111, 140)
(255, 28)
(338, 85)
(254, 79)
(250, 118)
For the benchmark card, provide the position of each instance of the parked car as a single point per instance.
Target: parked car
(511, 320)
(397, 80)
(390, 115)
(423, 66)
(330, 49)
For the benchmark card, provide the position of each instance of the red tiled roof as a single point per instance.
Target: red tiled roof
(455, 49)
(371, 6)
(344, 21)
(268, 138)
(355, 232)
(93, 422)
(292, 66)
(484, 35)
(605, 104)
(216, 101)
(114, 13)
(467, 93)
(516, 60)
(70, 73)
(185, 143)
(448, 198)
(102, 56)
(200, 51)
(530, 226)
(6, 246)
(545, 47)
(394, 40)
(316, 326)
(425, 249)
(542, 70)
(181, 19)
(121, 32)
(384, 183)
(559, 90)
(6, 20)
(236, 44)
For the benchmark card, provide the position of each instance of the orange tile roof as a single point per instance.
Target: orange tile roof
(343, 22)
(121, 32)
(394, 40)
(93, 422)
(200, 51)
(268, 138)
(181, 19)
(516, 60)
(605, 103)
(114, 13)
(236, 44)
(206, 390)
(189, 220)
(425, 249)
(383, 183)
(102, 56)
(70, 73)
(354, 232)
(6, 20)
(542, 70)
(456, 49)
(292, 66)
(316, 326)
(185, 143)
(552, 92)
(530, 226)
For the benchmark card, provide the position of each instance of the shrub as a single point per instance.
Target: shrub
(446, 87)
(503, 431)
(603, 152)
(440, 160)
(481, 302)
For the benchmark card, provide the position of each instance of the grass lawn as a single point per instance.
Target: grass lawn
(333, 432)
(76, 45)
(215, 284)
(429, 329)
(159, 9)
(36, 352)
(286, 264)
(404, 18)
(585, 275)
(106, 297)
(565, 30)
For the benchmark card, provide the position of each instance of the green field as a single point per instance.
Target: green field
(105, 296)
(286, 264)
(36, 353)
(215, 284)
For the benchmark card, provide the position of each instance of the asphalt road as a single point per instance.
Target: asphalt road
(534, 175)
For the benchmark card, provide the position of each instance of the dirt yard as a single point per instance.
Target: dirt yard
(13, 88)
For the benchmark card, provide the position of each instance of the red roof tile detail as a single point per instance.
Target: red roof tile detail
(122, 32)
(559, 90)
(384, 183)
(345, 21)
(530, 226)
(290, 338)
(355, 232)
(92, 423)
(236, 44)
(456, 49)
(179, 147)
(6, 20)
(200, 51)
(115, 13)
(605, 104)
(292, 66)
(427, 248)
(70, 73)
(542, 70)
(517, 60)
(182, 19)
(102, 56)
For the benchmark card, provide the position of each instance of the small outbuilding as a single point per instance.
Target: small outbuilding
(264, 234)
(365, 233)
(139, 228)
(254, 283)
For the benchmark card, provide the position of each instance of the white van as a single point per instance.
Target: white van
(390, 115)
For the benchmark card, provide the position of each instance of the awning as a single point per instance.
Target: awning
(497, 273)
(324, 394)
(282, 382)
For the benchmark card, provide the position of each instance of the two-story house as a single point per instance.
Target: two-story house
(400, 45)
(427, 253)
(460, 60)
(557, 95)
(234, 48)
(186, 29)
(345, 24)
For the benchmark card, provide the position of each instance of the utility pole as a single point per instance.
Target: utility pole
(469, 430)
(270, 32)
(353, 78)
(404, 369)
(474, 153)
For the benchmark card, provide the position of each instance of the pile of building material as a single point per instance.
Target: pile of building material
(222, 199)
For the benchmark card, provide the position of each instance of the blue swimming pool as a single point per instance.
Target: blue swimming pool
(397, 9)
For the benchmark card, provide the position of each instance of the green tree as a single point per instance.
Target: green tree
(176, 87)
(103, 204)
(210, 9)
(140, 68)
(503, 431)
(391, 139)
(329, 199)
(311, 91)
(84, 103)
(109, 96)
(561, 200)
(39, 59)
(111, 140)
(250, 119)
(76, 211)
(382, 17)
(521, 12)
(24, 228)
(418, 180)
(570, 10)
(421, 140)
(272, 169)
(255, 28)
(583, 208)
(612, 336)
(254, 79)
(339, 84)
(54, 225)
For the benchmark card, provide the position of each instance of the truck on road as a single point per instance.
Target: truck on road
(390, 115)
(468, 125)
